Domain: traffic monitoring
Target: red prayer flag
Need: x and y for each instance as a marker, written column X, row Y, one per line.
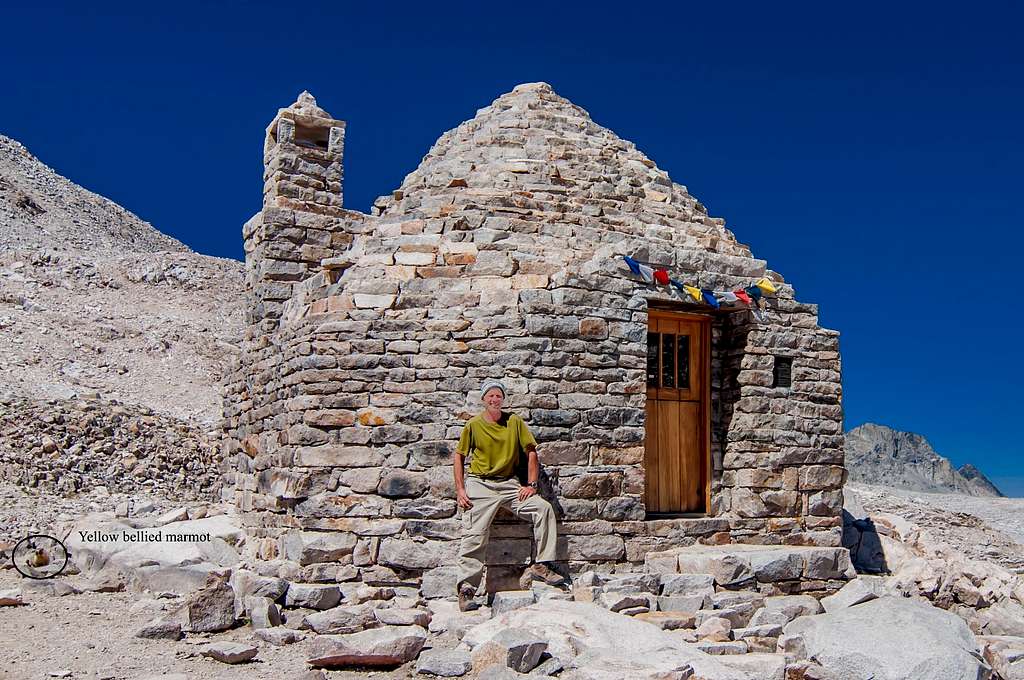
column 661, row 276
column 742, row 295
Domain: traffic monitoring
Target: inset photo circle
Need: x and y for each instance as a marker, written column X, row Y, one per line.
column 39, row 556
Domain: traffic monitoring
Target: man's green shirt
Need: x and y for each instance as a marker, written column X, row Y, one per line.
column 495, row 447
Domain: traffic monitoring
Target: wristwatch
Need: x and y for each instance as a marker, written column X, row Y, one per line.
column 532, row 484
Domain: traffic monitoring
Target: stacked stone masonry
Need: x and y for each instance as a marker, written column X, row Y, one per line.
column 501, row 256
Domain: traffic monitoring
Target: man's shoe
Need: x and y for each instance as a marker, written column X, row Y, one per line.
column 540, row 572
column 466, row 595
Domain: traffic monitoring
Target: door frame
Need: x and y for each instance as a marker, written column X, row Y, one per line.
column 704, row 426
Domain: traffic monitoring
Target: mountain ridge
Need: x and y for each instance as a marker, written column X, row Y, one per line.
column 96, row 302
column 878, row 454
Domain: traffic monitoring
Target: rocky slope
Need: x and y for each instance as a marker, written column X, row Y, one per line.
column 64, row 447
column 876, row 454
column 39, row 209
column 96, row 302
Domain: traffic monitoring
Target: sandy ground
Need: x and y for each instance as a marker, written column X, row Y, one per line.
column 91, row 635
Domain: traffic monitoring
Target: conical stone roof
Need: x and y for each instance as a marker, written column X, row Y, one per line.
column 534, row 155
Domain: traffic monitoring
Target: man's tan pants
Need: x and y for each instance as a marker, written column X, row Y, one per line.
column 487, row 496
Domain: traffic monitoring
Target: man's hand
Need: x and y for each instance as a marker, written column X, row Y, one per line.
column 462, row 499
column 525, row 492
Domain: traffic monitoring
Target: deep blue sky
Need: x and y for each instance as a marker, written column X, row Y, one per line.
column 871, row 152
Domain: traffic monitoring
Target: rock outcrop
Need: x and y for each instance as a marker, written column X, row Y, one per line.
column 889, row 638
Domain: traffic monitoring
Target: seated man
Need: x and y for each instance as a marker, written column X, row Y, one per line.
column 496, row 440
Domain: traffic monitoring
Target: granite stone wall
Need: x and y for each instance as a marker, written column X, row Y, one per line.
column 500, row 256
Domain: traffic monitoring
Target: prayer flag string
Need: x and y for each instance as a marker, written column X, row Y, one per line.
column 750, row 296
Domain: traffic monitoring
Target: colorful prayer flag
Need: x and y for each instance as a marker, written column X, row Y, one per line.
column 754, row 292
column 634, row 266
column 710, row 298
column 661, row 276
column 766, row 286
column 726, row 296
column 694, row 293
column 646, row 272
column 742, row 296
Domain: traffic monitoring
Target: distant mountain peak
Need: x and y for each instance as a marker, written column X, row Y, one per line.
column 977, row 478
column 877, row 454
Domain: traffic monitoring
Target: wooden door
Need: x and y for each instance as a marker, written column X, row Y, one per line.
column 676, row 442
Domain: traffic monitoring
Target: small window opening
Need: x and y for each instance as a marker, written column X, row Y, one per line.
column 312, row 137
column 782, row 374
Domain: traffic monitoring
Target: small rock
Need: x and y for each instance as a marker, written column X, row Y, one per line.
column 312, row 595
column 782, row 609
column 230, row 652
column 11, row 598
column 388, row 646
column 104, row 582
column 144, row 507
column 862, row 589
column 550, row 666
column 445, row 616
column 402, row 617
column 622, row 601
column 632, row 583
column 278, row 637
column 176, row 515
column 669, row 620
column 208, row 610
column 808, row 670
column 683, row 603
column 295, row 619
column 366, row 593
column 766, row 630
column 246, row 583
column 447, row 663
column 515, row 648
column 687, row 584
column 160, row 629
column 263, row 613
column 719, row 648
column 509, row 600
column 714, row 629
column 342, row 620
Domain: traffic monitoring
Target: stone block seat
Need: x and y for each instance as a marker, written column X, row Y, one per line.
column 769, row 569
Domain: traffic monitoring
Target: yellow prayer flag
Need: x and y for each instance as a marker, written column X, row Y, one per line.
column 766, row 286
column 694, row 293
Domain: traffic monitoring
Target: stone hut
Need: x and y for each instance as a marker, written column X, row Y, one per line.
column 662, row 422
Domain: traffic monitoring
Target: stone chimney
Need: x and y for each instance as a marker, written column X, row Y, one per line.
column 302, row 221
column 302, row 159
